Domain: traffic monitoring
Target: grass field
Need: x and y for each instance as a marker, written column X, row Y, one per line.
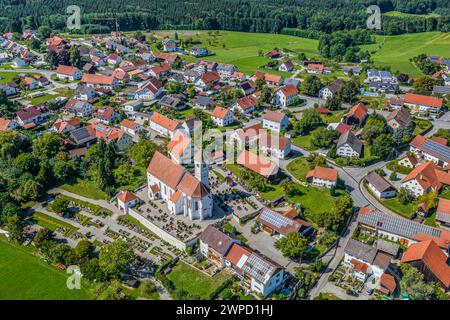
column 195, row 282
column 24, row 276
column 396, row 51
column 85, row 189
column 242, row 48
column 42, row 99
column 6, row 77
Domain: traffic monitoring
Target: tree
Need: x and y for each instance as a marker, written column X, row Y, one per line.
column 48, row 145
column 15, row 226
column 424, row 83
column 349, row 91
column 311, row 86
column 323, row 137
column 382, row 146
column 115, row 258
column 60, row 206
column 430, row 199
column 292, row 246
column 413, row 283
column 9, row 209
column 310, row 120
column 143, row 151
column 393, row 176
column 405, row 196
column 74, row 56
column 44, row 32
column 84, row 250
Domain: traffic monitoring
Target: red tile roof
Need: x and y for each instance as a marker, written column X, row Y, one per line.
column 360, row 266
column 126, row 196
column 358, row 111
column 164, row 121
column 387, row 281
column 323, row 173
column 236, row 252
column 129, row 124
column 192, row 187
column 419, row 99
column 289, row 91
column 4, row 123
column 247, row 102
column 210, row 77
column 165, row 170
column 97, row 79
column 178, row 144
column 220, row 112
column 68, row 70
column 427, row 175
column 273, row 141
column 274, row 116
column 315, row 67
column 443, row 206
column 432, row 256
column 258, row 164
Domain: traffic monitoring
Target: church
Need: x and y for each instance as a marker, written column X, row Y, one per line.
column 184, row 193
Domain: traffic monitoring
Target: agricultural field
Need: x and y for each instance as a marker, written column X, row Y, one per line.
column 36, row 279
column 395, row 51
column 242, row 48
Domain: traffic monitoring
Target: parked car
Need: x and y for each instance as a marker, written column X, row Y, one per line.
column 352, row 293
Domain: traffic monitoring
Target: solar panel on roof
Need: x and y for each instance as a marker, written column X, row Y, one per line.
column 436, row 148
column 274, row 218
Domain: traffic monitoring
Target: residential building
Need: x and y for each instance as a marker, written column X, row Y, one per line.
column 78, row 108
column 246, row 105
column 6, row 124
column 443, row 212
column 65, row 126
column 130, row 127
column 380, row 186
column 149, row 90
column 174, row 101
column 198, row 51
column 349, row 145
column 163, row 125
column 431, row 149
column 222, row 117
column 275, row 121
column 285, row 96
column 105, row 114
column 32, row 115
column 183, row 193
column 169, row 45
column 331, row 90
column 423, row 104
column 274, row 145
column 100, row 81
column 215, row 244
column 180, row 148
column 280, row 224
column 258, row 164
column 374, row 75
column 111, row 134
column 408, row 160
column 315, row 68
column 207, row 80
column 286, row 66
column 425, row 178
column 68, row 72
column 356, row 115
column 398, row 118
column 322, row 177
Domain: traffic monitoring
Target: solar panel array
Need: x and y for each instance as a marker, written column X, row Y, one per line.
column 433, row 147
column 258, row 268
column 80, row 134
column 399, row 226
column 274, row 218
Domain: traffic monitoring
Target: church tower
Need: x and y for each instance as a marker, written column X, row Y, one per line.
column 201, row 169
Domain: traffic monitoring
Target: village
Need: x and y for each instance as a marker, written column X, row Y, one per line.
column 309, row 179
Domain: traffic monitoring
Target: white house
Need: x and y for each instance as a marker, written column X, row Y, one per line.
column 85, row 93
column 169, row 45
column 322, row 177
column 349, row 145
column 330, row 90
column 163, row 125
column 215, row 244
column 181, row 148
column 285, row 96
column 149, row 90
column 425, row 178
column 68, row 72
column 246, row 105
column 126, row 200
column 222, row 117
column 79, row 108
column 286, row 66
column 100, row 81
column 274, row 145
column 130, row 127
column 380, row 186
column 275, row 121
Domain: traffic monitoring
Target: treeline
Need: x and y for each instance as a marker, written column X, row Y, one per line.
column 272, row 16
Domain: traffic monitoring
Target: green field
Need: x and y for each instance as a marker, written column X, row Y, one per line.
column 6, row 77
column 396, row 51
column 242, row 48
column 406, row 15
column 24, row 276
column 86, row 189
column 185, row 277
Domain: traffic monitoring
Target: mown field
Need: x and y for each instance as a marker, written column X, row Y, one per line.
column 395, row 51
column 242, row 48
column 24, row 276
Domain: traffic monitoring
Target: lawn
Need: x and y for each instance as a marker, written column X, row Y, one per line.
column 299, row 168
column 6, row 77
column 395, row 166
column 304, row 142
column 406, row 211
column 395, row 51
column 86, row 189
column 242, row 49
column 334, row 116
column 42, row 99
column 24, row 276
column 185, row 277
column 422, row 126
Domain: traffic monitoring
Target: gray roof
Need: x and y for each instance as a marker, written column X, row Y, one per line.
column 441, row 89
column 294, row 82
column 349, row 138
column 360, row 251
column 203, row 100
column 216, row 239
column 259, row 268
column 402, row 116
column 399, row 226
column 378, row 182
column 335, row 86
column 387, row 247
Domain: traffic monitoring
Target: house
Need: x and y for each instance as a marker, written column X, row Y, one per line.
column 365, row 260
column 169, row 45
column 275, row 121
column 113, row 59
column 258, row 273
column 18, row 63
column 381, row 87
column 425, row 178
column 408, row 160
column 356, row 115
column 374, row 75
column 443, row 90
column 100, row 81
column 149, row 90
column 85, row 93
column 215, row 244
column 274, row 145
column 427, row 257
column 443, row 212
column 431, row 149
column 331, row 90
column 198, row 51
column 68, row 72
column 173, row 101
column 388, row 284
column 88, row 68
column 6, row 124
column 280, row 224
column 398, row 118
column 180, row 148
column 274, row 54
column 203, row 102
column 339, row 127
column 78, row 108
column 160, row 71
column 286, row 66
column 258, row 164
column 131, row 107
column 167, row 58
column 246, row 105
column 163, row 125
column 110, row 134
column 285, row 96
column 247, row 87
column 183, row 193
column 10, row 88
column 130, row 127
column 225, row 70
column 272, row 79
column 246, row 136
column 82, row 137
column 222, row 117
column 105, row 114
column 64, row 126
column 349, row 145
column 315, row 68
column 30, row 83
column 126, row 200
column 399, row 229
column 207, row 80
column 32, row 115
column 354, row 70
column 380, row 186
column 423, row 104
column 322, row 177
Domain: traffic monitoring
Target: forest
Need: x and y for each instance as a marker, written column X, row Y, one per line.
column 307, row 18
